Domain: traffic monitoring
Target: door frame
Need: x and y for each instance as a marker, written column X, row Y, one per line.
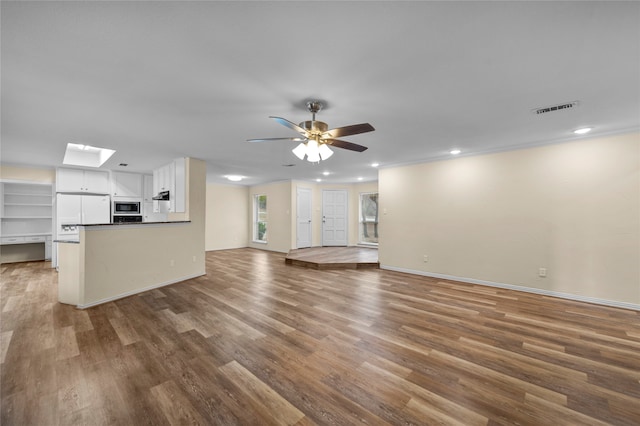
column 298, row 220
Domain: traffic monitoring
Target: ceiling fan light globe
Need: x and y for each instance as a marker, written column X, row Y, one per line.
column 324, row 151
column 300, row 151
column 313, row 153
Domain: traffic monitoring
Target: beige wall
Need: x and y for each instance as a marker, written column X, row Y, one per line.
column 573, row 208
column 32, row 174
column 279, row 216
column 228, row 210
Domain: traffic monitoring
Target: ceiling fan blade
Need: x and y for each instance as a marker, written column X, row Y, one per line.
column 344, row 144
column 277, row 139
column 290, row 125
column 354, row 129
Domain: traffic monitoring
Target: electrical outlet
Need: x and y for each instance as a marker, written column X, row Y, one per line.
column 194, row 259
column 425, row 259
column 172, row 262
column 542, row 272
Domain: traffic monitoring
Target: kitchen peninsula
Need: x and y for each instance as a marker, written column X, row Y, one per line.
column 111, row 261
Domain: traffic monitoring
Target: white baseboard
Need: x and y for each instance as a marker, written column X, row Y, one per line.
column 140, row 290
column 568, row 296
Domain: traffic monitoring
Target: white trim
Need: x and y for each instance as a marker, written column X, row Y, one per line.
column 368, row 245
column 140, row 290
column 361, row 222
column 256, row 216
column 568, row 296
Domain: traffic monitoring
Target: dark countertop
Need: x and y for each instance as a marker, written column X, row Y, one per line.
column 67, row 241
column 133, row 223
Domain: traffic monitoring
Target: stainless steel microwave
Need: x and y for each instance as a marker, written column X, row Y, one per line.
column 126, row 207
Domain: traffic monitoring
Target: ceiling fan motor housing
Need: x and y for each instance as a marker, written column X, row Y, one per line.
column 314, row 127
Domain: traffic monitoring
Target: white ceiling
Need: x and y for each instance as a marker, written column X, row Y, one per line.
column 159, row 80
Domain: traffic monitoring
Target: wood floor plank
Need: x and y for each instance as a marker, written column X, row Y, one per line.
column 281, row 411
column 66, row 343
column 125, row 332
column 5, row 341
column 257, row 341
column 437, row 405
column 12, row 303
column 175, row 404
column 218, row 397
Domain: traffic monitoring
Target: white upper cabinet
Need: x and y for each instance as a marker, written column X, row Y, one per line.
column 126, row 185
column 171, row 177
column 147, row 190
column 84, row 181
column 164, row 178
column 69, row 180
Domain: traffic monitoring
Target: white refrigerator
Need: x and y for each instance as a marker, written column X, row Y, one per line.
column 73, row 210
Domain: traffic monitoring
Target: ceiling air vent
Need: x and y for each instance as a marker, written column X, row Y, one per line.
column 553, row 108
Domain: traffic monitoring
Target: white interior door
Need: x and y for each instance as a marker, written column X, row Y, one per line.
column 334, row 218
column 303, row 229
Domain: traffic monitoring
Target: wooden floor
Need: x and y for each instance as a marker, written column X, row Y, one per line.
column 259, row 342
column 334, row 257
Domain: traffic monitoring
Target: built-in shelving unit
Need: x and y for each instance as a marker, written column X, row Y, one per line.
column 26, row 213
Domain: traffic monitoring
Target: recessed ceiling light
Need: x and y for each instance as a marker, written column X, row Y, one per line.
column 86, row 155
column 318, row 180
column 582, row 131
column 326, row 173
column 234, row 178
column 375, row 164
column 455, row 152
column 360, row 178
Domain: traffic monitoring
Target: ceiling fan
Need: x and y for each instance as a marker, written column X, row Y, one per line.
column 315, row 137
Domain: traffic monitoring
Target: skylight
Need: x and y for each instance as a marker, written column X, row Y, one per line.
column 86, row 155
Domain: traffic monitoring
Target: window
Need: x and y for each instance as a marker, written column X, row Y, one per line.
column 260, row 218
column 369, row 218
